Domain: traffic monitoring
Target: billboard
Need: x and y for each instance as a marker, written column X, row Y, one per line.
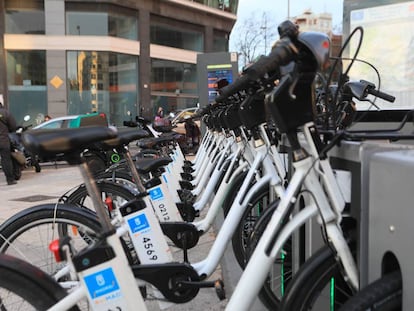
column 388, row 43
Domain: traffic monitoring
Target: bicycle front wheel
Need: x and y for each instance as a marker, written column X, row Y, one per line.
column 27, row 234
column 319, row 284
column 385, row 294
column 24, row 288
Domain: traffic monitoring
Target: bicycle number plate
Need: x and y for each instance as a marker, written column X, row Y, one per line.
column 104, row 291
column 147, row 237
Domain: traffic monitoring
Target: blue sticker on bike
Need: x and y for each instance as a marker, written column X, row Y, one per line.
column 138, row 223
column 101, row 283
column 156, row 194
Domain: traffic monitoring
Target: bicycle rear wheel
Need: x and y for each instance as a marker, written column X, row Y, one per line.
column 114, row 195
column 281, row 274
column 385, row 294
column 24, row 288
column 240, row 240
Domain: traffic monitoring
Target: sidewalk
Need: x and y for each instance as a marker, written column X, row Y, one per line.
column 53, row 181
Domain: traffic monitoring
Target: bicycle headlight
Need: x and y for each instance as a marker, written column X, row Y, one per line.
column 319, row 45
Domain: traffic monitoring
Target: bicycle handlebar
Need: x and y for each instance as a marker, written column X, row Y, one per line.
column 282, row 53
column 381, row 95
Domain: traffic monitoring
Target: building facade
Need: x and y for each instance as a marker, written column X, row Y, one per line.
column 122, row 58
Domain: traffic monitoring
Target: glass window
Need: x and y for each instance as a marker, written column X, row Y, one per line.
column 102, row 82
column 101, row 20
column 24, row 17
column 177, row 35
column 220, row 42
column 170, row 76
column 172, row 103
column 26, row 80
column 225, row 5
column 177, row 80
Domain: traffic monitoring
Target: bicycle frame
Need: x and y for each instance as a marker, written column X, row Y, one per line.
column 244, row 196
column 109, row 282
column 327, row 205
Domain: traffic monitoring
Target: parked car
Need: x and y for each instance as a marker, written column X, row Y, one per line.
column 179, row 118
column 71, row 121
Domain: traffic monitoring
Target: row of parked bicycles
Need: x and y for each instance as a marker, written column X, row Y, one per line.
column 263, row 162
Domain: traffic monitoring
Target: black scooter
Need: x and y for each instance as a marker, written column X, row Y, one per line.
column 16, row 146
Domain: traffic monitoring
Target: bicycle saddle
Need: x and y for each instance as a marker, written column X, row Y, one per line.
column 57, row 141
column 147, row 165
column 124, row 137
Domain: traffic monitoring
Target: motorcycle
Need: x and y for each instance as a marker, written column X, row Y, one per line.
column 21, row 158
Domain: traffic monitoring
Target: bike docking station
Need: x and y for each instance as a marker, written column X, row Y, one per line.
column 374, row 172
column 381, row 206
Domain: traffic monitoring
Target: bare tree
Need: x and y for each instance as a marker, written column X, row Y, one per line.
column 254, row 37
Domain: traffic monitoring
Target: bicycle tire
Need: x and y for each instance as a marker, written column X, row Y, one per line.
column 319, row 280
column 27, row 234
column 232, row 192
column 119, row 177
column 385, row 294
column 240, row 240
column 24, row 287
column 118, row 195
column 267, row 295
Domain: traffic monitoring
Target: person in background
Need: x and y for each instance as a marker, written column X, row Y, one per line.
column 7, row 125
column 47, row 118
column 159, row 117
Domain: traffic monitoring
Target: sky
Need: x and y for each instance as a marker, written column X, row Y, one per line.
column 278, row 9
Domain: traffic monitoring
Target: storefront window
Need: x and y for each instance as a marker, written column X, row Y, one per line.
column 170, row 76
column 102, row 82
column 25, row 17
column 101, row 20
column 171, row 103
column 177, row 35
column 174, row 83
column 26, row 80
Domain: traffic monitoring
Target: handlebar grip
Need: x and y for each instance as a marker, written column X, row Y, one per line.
column 241, row 83
column 282, row 53
column 382, row 95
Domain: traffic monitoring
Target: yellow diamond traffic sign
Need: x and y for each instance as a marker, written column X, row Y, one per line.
column 56, row 82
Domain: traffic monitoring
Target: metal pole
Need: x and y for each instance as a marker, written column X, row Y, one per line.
column 288, row 2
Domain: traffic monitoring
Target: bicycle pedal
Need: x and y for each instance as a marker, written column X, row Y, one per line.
column 219, row 287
